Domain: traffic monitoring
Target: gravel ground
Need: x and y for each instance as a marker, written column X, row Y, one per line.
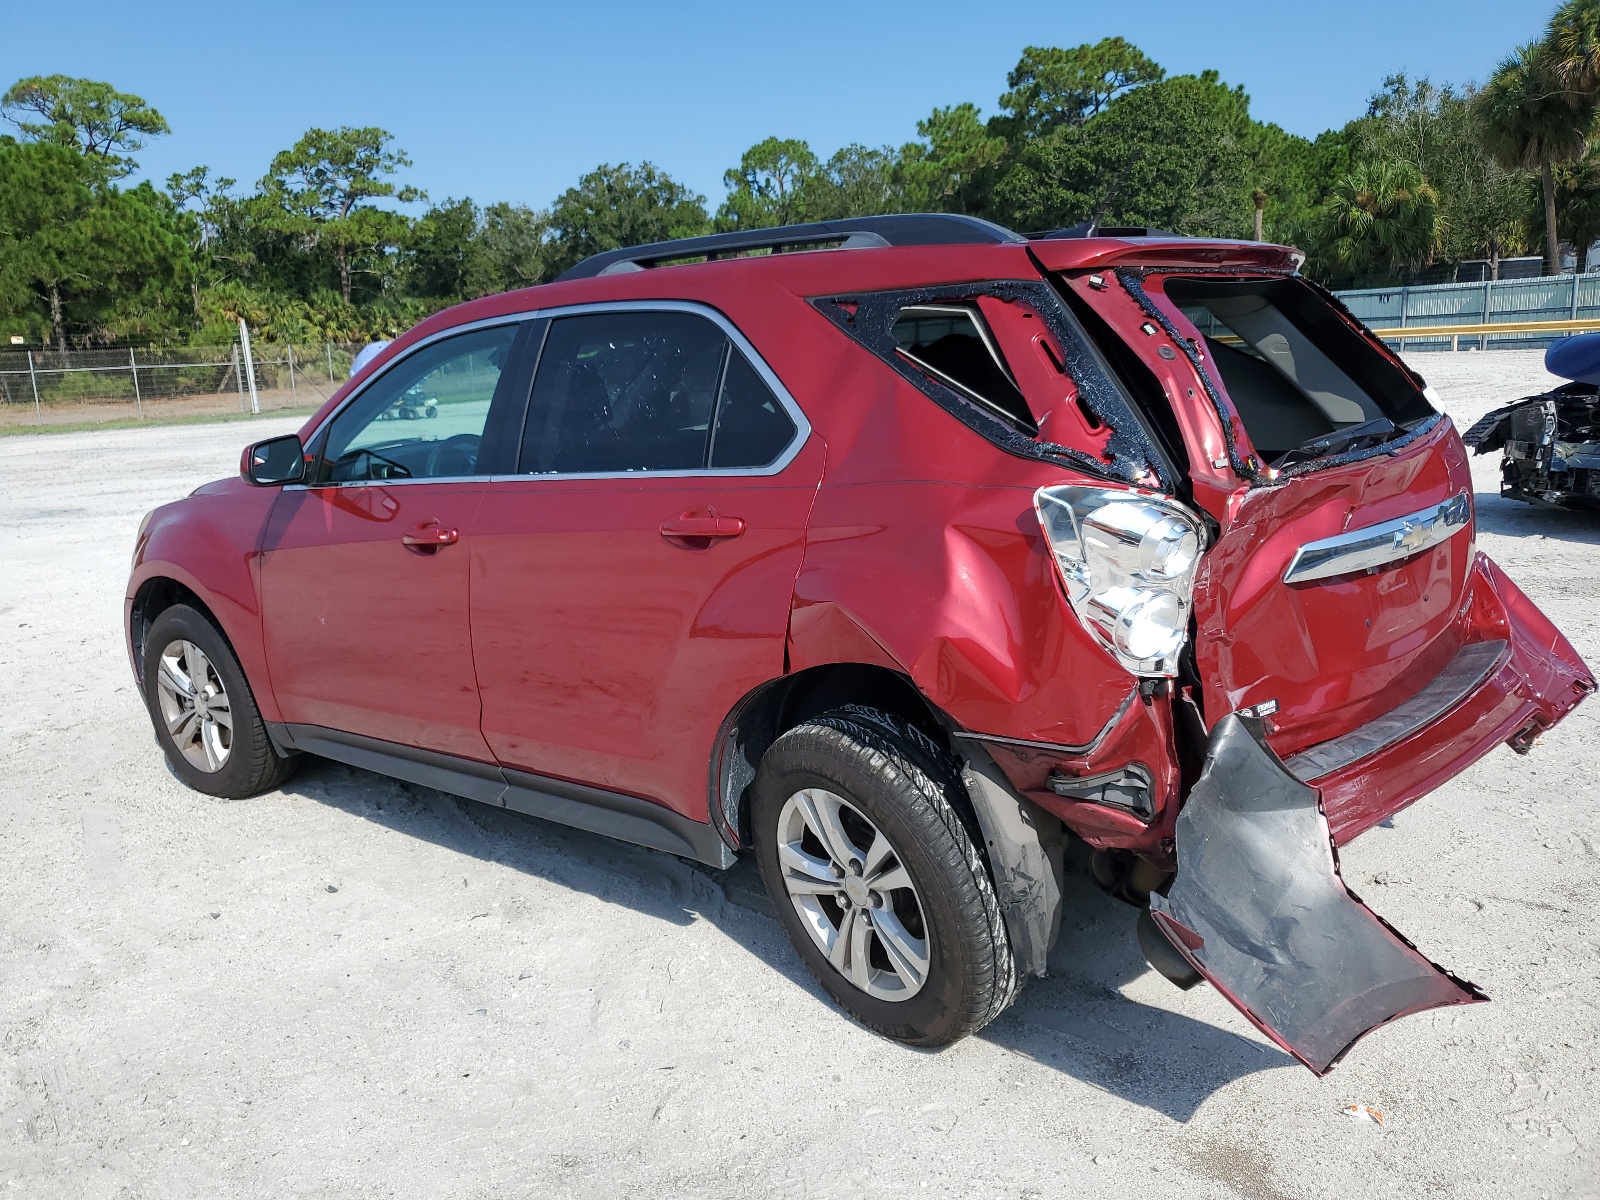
column 354, row 987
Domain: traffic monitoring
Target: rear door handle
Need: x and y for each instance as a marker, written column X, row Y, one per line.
column 709, row 526
column 430, row 537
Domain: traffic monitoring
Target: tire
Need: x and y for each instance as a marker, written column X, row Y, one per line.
column 878, row 775
column 181, row 646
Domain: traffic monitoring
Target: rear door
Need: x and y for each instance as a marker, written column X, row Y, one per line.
column 1344, row 450
column 634, row 581
column 364, row 571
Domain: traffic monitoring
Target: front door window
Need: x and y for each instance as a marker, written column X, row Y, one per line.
column 424, row 418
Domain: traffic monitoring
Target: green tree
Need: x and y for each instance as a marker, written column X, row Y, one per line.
column 445, row 259
column 78, row 254
column 319, row 191
column 107, row 125
column 1051, row 87
column 859, row 181
column 948, row 168
column 1291, row 178
column 1173, row 155
column 1574, row 42
column 774, row 184
column 1529, row 123
column 1578, row 203
column 514, row 240
column 1438, row 130
column 623, row 205
column 1381, row 217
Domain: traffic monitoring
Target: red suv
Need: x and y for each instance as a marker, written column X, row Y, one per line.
column 890, row 550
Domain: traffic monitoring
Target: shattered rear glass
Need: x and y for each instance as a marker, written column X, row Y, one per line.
column 1129, row 452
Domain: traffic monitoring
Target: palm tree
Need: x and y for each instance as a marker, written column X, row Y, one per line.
column 1382, row 217
column 1578, row 187
column 1574, row 41
column 1531, row 123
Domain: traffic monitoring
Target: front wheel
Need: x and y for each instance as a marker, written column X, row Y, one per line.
column 204, row 714
column 876, row 879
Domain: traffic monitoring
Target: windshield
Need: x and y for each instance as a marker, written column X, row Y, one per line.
column 1303, row 382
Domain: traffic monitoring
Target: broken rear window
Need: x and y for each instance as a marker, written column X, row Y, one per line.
column 1009, row 360
column 952, row 343
column 1304, row 383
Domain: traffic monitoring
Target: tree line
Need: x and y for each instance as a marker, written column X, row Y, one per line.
column 317, row 248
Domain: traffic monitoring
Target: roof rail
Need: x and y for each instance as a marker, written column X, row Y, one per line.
column 855, row 233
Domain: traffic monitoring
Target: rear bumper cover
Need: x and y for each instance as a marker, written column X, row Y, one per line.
column 1514, row 675
column 1258, row 908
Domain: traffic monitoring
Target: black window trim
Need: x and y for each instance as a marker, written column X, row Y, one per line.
column 524, row 390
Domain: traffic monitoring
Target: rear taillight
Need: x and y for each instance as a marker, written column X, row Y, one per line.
column 1128, row 560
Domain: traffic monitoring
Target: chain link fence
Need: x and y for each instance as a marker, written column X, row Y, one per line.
column 52, row 387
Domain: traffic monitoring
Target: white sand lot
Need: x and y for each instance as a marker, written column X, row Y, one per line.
column 355, row 987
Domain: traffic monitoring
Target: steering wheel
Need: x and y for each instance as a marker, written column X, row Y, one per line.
column 456, row 455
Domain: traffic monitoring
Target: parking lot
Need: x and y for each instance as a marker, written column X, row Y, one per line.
column 357, row 987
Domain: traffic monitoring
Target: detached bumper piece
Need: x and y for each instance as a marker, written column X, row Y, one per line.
column 1551, row 446
column 1258, row 908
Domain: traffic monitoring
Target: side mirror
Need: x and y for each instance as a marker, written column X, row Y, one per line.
column 275, row 461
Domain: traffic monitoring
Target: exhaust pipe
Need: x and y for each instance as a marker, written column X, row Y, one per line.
column 1161, row 954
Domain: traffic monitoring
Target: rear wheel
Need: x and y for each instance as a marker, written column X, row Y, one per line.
column 876, row 879
column 204, row 714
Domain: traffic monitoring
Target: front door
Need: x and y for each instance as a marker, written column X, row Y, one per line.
column 364, row 571
column 636, row 582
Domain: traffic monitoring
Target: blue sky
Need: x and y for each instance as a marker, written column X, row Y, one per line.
column 507, row 101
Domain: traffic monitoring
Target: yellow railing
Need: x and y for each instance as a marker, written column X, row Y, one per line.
column 1407, row 332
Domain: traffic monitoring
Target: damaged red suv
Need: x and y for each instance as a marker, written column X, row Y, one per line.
column 891, row 551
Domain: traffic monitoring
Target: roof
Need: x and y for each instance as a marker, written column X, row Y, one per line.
column 926, row 229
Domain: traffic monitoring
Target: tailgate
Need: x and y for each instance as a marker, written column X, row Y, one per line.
column 1333, row 597
column 1336, row 580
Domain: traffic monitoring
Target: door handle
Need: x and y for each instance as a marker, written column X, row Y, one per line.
column 702, row 527
column 429, row 537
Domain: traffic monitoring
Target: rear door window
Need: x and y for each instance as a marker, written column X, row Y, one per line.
column 619, row 392
column 752, row 428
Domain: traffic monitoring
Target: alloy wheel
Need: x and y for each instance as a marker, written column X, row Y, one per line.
column 194, row 705
column 854, row 896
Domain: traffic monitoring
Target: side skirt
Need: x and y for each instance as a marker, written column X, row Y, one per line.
column 613, row 814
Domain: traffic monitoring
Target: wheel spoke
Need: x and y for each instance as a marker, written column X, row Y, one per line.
column 194, row 665
column 821, row 813
column 208, row 733
column 174, row 678
column 797, row 861
column 218, row 711
column 856, row 866
column 894, row 877
column 861, row 952
column 839, row 952
column 802, row 885
column 877, row 854
column 179, row 727
column 907, row 954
